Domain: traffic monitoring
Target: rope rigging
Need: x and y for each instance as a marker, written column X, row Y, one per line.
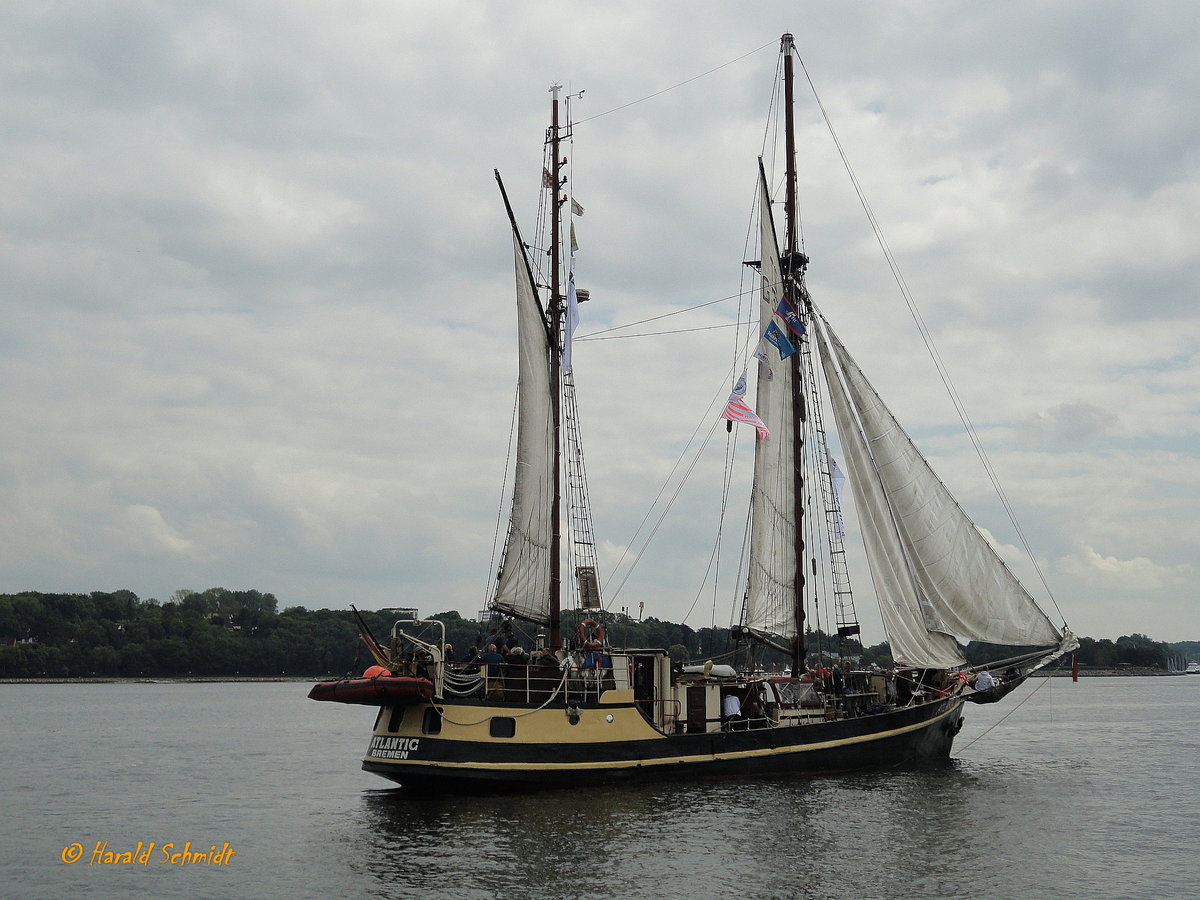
column 818, row 493
column 772, row 43
column 1026, row 698
column 927, row 338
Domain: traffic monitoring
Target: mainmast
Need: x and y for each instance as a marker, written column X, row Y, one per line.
column 554, row 312
column 793, row 270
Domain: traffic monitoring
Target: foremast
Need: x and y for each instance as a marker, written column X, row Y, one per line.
column 554, row 139
column 529, row 583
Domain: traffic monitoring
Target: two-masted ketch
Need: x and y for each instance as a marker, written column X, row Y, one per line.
column 587, row 711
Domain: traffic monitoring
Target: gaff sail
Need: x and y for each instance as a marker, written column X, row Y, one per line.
column 523, row 583
column 771, row 587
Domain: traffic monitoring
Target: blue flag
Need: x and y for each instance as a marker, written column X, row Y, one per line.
column 785, row 311
column 775, row 335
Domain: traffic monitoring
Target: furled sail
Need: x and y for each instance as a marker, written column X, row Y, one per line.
column 770, row 603
column 523, row 585
column 935, row 575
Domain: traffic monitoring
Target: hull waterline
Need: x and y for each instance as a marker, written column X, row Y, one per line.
column 914, row 734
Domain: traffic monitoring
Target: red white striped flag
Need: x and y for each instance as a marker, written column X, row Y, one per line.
column 737, row 411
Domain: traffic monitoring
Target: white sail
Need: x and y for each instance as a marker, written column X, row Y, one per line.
column 911, row 641
column 523, row 585
column 770, row 603
column 935, row 575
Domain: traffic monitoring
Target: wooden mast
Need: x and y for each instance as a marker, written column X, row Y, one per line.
column 554, row 312
column 793, row 269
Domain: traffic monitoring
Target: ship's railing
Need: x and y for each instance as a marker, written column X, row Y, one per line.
column 747, row 723
column 668, row 711
column 589, row 684
column 509, row 682
column 520, row 682
column 431, row 665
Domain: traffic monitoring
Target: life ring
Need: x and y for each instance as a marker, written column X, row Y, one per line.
column 591, row 634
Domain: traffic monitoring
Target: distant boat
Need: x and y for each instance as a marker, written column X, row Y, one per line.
column 587, row 711
column 1193, row 668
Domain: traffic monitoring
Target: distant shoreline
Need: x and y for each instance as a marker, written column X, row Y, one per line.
column 1131, row 672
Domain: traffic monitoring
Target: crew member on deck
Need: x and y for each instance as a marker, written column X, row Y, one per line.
column 984, row 681
column 731, row 708
column 495, row 666
column 836, row 680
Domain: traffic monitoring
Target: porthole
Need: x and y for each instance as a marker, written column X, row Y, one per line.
column 502, row 727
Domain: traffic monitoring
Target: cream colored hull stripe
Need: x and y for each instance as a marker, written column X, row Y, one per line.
column 667, row 761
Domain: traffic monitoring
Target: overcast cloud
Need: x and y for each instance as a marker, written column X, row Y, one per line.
column 256, row 281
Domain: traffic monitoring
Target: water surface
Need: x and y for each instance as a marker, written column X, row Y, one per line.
column 1087, row 790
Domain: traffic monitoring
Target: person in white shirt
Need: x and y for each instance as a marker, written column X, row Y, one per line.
column 731, row 706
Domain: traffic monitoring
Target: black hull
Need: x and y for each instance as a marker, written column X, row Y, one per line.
column 913, row 734
column 997, row 693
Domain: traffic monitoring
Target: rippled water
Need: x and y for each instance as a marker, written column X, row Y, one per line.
column 1083, row 790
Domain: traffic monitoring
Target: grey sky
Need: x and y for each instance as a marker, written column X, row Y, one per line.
column 256, row 288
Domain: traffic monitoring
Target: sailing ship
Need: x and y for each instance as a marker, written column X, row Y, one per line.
column 587, row 711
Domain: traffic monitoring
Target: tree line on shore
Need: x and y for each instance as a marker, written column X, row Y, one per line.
column 229, row 633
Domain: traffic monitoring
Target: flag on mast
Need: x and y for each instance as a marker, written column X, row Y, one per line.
column 760, row 353
column 787, row 312
column 737, row 411
column 572, row 322
column 774, row 334
column 739, row 386
column 838, row 480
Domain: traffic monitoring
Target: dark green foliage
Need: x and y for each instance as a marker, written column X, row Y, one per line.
column 225, row 633
column 217, row 632
column 1186, row 649
column 1135, row 650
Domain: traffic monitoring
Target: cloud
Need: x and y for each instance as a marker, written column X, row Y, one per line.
column 142, row 530
column 1138, row 574
column 1070, row 424
column 255, row 295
